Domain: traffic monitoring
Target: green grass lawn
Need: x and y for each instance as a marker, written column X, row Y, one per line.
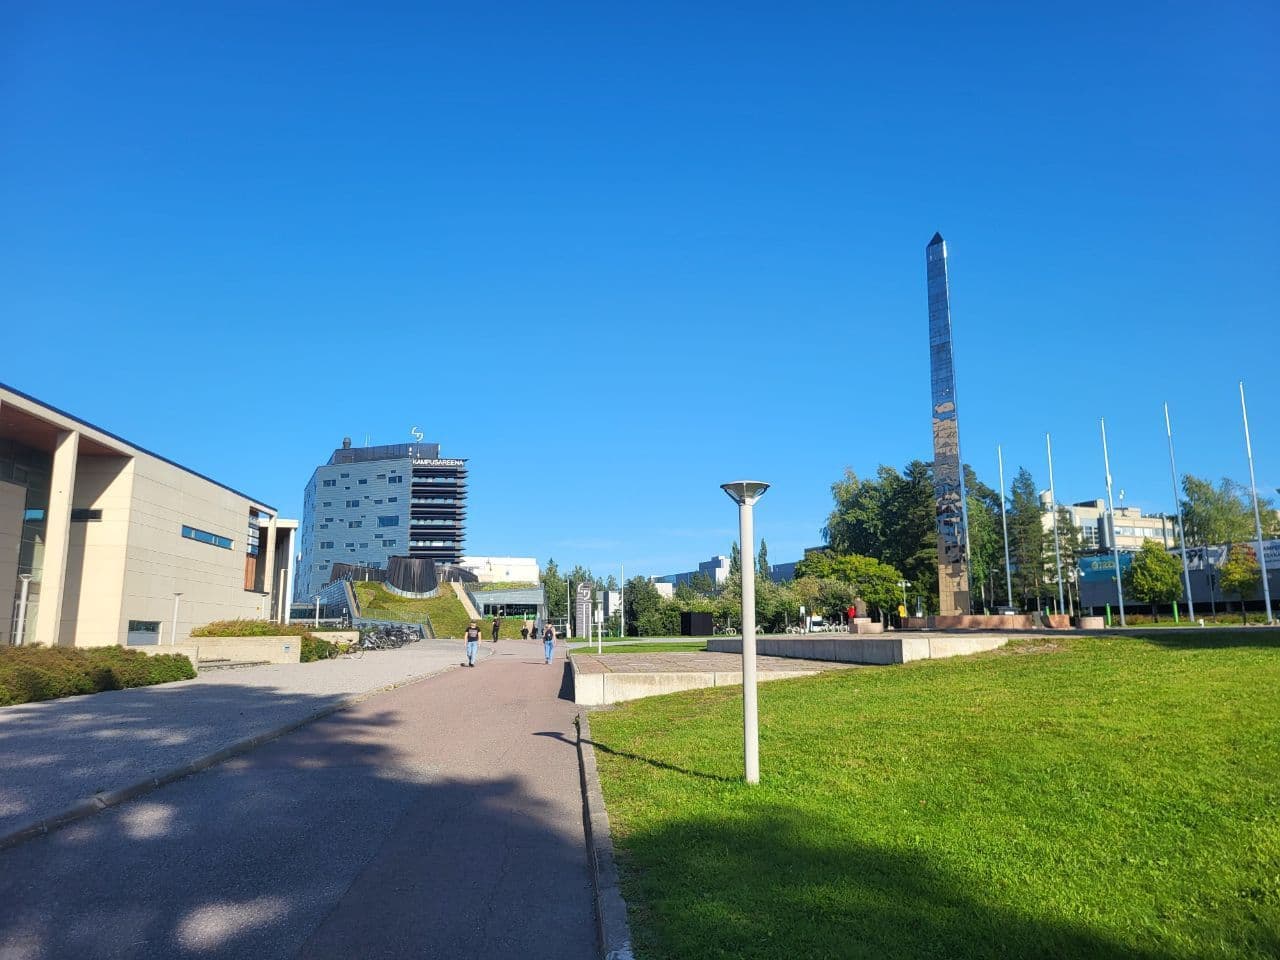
column 1105, row 797
column 695, row 646
column 448, row 616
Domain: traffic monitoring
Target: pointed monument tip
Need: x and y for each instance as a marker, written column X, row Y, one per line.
column 937, row 238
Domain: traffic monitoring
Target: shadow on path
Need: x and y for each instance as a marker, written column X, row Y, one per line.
column 339, row 840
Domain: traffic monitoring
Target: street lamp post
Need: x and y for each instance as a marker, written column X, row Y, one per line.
column 904, row 584
column 173, row 633
column 745, row 493
column 1004, row 525
column 317, row 618
column 22, row 609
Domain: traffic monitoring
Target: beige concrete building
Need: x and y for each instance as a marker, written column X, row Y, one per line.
column 106, row 535
column 1132, row 527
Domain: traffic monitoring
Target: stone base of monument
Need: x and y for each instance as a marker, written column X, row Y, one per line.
column 1005, row 621
column 1093, row 623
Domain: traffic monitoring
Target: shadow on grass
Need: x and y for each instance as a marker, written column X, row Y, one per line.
column 786, row 884
column 1208, row 638
column 658, row 764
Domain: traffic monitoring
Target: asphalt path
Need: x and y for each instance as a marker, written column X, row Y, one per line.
column 441, row 819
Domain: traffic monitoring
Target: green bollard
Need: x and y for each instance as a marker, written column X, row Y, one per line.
column 1108, row 614
column 1175, row 613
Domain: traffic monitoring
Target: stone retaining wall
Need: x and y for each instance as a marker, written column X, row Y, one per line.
column 235, row 649
column 885, row 649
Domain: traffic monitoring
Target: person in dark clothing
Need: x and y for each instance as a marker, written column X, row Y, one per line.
column 524, row 631
column 497, row 622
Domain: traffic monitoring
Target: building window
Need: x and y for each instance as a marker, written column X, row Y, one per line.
column 344, row 476
column 143, row 633
column 350, row 544
column 388, row 521
column 330, row 483
column 364, row 479
column 353, row 503
column 364, row 546
column 377, row 501
column 324, row 526
column 352, row 524
column 393, row 499
column 204, row 536
column 326, row 544
column 327, row 503
column 388, row 543
column 381, row 476
column 85, row 514
column 395, row 479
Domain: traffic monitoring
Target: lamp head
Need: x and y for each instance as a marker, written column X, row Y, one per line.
column 745, row 491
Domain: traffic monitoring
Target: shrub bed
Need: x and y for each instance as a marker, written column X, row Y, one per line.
column 35, row 673
column 252, row 628
column 314, row 648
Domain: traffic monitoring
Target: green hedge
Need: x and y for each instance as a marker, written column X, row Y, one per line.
column 40, row 673
column 314, row 648
column 252, row 628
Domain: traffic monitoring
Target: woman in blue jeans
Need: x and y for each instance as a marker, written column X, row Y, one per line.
column 473, row 640
column 548, row 641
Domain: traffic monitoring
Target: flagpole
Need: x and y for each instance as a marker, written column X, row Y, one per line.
column 1111, row 510
column 1053, row 503
column 1182, row 530
column 1004, row 524
column 1257, row 517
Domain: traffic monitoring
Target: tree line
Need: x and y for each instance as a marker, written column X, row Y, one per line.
column 881, row 534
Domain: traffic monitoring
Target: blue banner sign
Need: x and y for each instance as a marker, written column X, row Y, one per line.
column 1102, row 568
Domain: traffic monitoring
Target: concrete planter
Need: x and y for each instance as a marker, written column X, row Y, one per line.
column 234, row 649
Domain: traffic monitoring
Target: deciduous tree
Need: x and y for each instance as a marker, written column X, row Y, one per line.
column 1241, row 575
column 1154, row 577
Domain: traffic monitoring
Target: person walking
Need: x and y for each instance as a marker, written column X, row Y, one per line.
column 524, row 631
column 548, row 641
column 497, row 622
column 473, row 641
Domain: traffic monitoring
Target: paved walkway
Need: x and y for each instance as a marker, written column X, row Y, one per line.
column 56, row 753
column 442, row 819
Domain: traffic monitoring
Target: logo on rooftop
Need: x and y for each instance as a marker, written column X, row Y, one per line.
column 416, row 434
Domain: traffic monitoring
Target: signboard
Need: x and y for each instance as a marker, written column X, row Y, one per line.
column 582, row 609
column 1102, row 568
column 439, row 463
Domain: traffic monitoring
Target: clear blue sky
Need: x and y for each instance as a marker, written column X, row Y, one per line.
column 617, row 255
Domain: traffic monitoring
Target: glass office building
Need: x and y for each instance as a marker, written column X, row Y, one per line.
column 369, row 504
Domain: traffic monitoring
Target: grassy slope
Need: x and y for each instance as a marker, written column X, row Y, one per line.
column 448, row 615
column 1117, row 798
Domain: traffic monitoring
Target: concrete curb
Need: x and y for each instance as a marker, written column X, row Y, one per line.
column 111, row 798
column 612, row 926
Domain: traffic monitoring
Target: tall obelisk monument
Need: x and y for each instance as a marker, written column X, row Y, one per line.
column 948, row 474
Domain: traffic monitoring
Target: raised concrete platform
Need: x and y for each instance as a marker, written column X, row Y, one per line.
column 883, row 649
column 613, row 678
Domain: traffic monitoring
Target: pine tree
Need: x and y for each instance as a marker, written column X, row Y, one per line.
column 735, row 560
column 1026, row 540
column 762, row 561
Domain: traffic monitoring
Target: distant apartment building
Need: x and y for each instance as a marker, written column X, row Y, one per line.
column 1132, row 528
column 368, row 504
column 717, row 568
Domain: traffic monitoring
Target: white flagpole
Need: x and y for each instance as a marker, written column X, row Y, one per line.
column 1257, row 518
column 1004, row 524
column 1111, row 510
column 1182, row 530
column 1053, row 504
